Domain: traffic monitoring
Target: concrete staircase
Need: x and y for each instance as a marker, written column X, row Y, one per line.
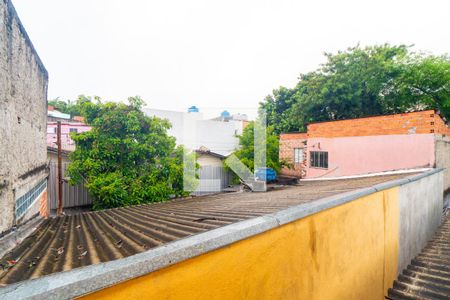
column 428, row 275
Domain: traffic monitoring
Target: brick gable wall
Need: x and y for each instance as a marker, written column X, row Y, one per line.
column 440, row 126
column 407, row 123
column 288, row 142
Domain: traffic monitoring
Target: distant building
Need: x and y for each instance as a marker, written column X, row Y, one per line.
column 293, row 150
column 66, row 128
column 190, row 129
column 212, row 174
column 68, row 125
column 23, row 122
column 213, row 140
column 369, row 145
column 55, row 115
column 225, row 116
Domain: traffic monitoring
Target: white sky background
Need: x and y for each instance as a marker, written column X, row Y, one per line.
column 213, row 54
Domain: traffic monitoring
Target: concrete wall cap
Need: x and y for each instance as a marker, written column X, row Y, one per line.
column 424, row 174
column 405, row 180
column 306, row 209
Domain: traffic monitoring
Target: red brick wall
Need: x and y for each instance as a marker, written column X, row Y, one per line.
column 407, row 123
column 440, row 126
column 43, row 205
column 289, row 141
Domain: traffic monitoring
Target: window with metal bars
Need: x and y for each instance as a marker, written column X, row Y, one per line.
column 318, row 159
column 298, row 155
column 24, row 202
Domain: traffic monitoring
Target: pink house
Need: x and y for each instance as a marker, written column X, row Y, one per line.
column 66, row 129
column 370, row 154
column 369, row 145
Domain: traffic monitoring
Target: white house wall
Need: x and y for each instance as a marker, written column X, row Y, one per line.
column 190, row 130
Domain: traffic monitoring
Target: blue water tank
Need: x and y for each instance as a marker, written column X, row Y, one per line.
column 225, row 114
column 266, row 174
column 193, row 109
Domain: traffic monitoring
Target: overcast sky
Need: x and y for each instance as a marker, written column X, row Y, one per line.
column 213, row 54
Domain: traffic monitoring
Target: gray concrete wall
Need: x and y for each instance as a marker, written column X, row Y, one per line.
column 443, row 158
column 23, row 111
column 420, row 206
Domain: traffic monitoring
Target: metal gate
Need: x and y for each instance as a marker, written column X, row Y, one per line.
column 73, row 196
column 212, row 180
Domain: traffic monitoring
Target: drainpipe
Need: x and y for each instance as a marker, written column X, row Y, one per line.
column 60, row 180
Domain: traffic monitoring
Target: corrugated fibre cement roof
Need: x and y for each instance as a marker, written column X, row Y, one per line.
column 68, row 242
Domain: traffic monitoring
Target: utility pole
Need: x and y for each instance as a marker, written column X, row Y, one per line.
column 60, row 179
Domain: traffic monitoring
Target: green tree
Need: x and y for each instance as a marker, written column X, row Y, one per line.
column 73, row 108
column 127, row 158
column 247, row 148
column 59, row 104
column 278, row 110
column 362, row 82
column 425, row 83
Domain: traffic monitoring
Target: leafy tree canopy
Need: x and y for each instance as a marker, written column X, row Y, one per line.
column 127, row 158
column 362, row 82
column 247, row 148
column 73, row 108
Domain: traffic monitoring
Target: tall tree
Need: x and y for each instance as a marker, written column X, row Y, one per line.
column 246, row 152
column 73, row 108
column 127, row 158
column 361, row 82
column 425, row 83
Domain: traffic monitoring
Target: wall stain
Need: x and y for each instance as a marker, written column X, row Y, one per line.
column 313, row 243
column 34, row 171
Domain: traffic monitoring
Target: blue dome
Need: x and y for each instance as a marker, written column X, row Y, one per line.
column 225, row 114
column 193, row 109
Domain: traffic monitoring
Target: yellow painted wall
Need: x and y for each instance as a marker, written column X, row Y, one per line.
column 347, row 252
